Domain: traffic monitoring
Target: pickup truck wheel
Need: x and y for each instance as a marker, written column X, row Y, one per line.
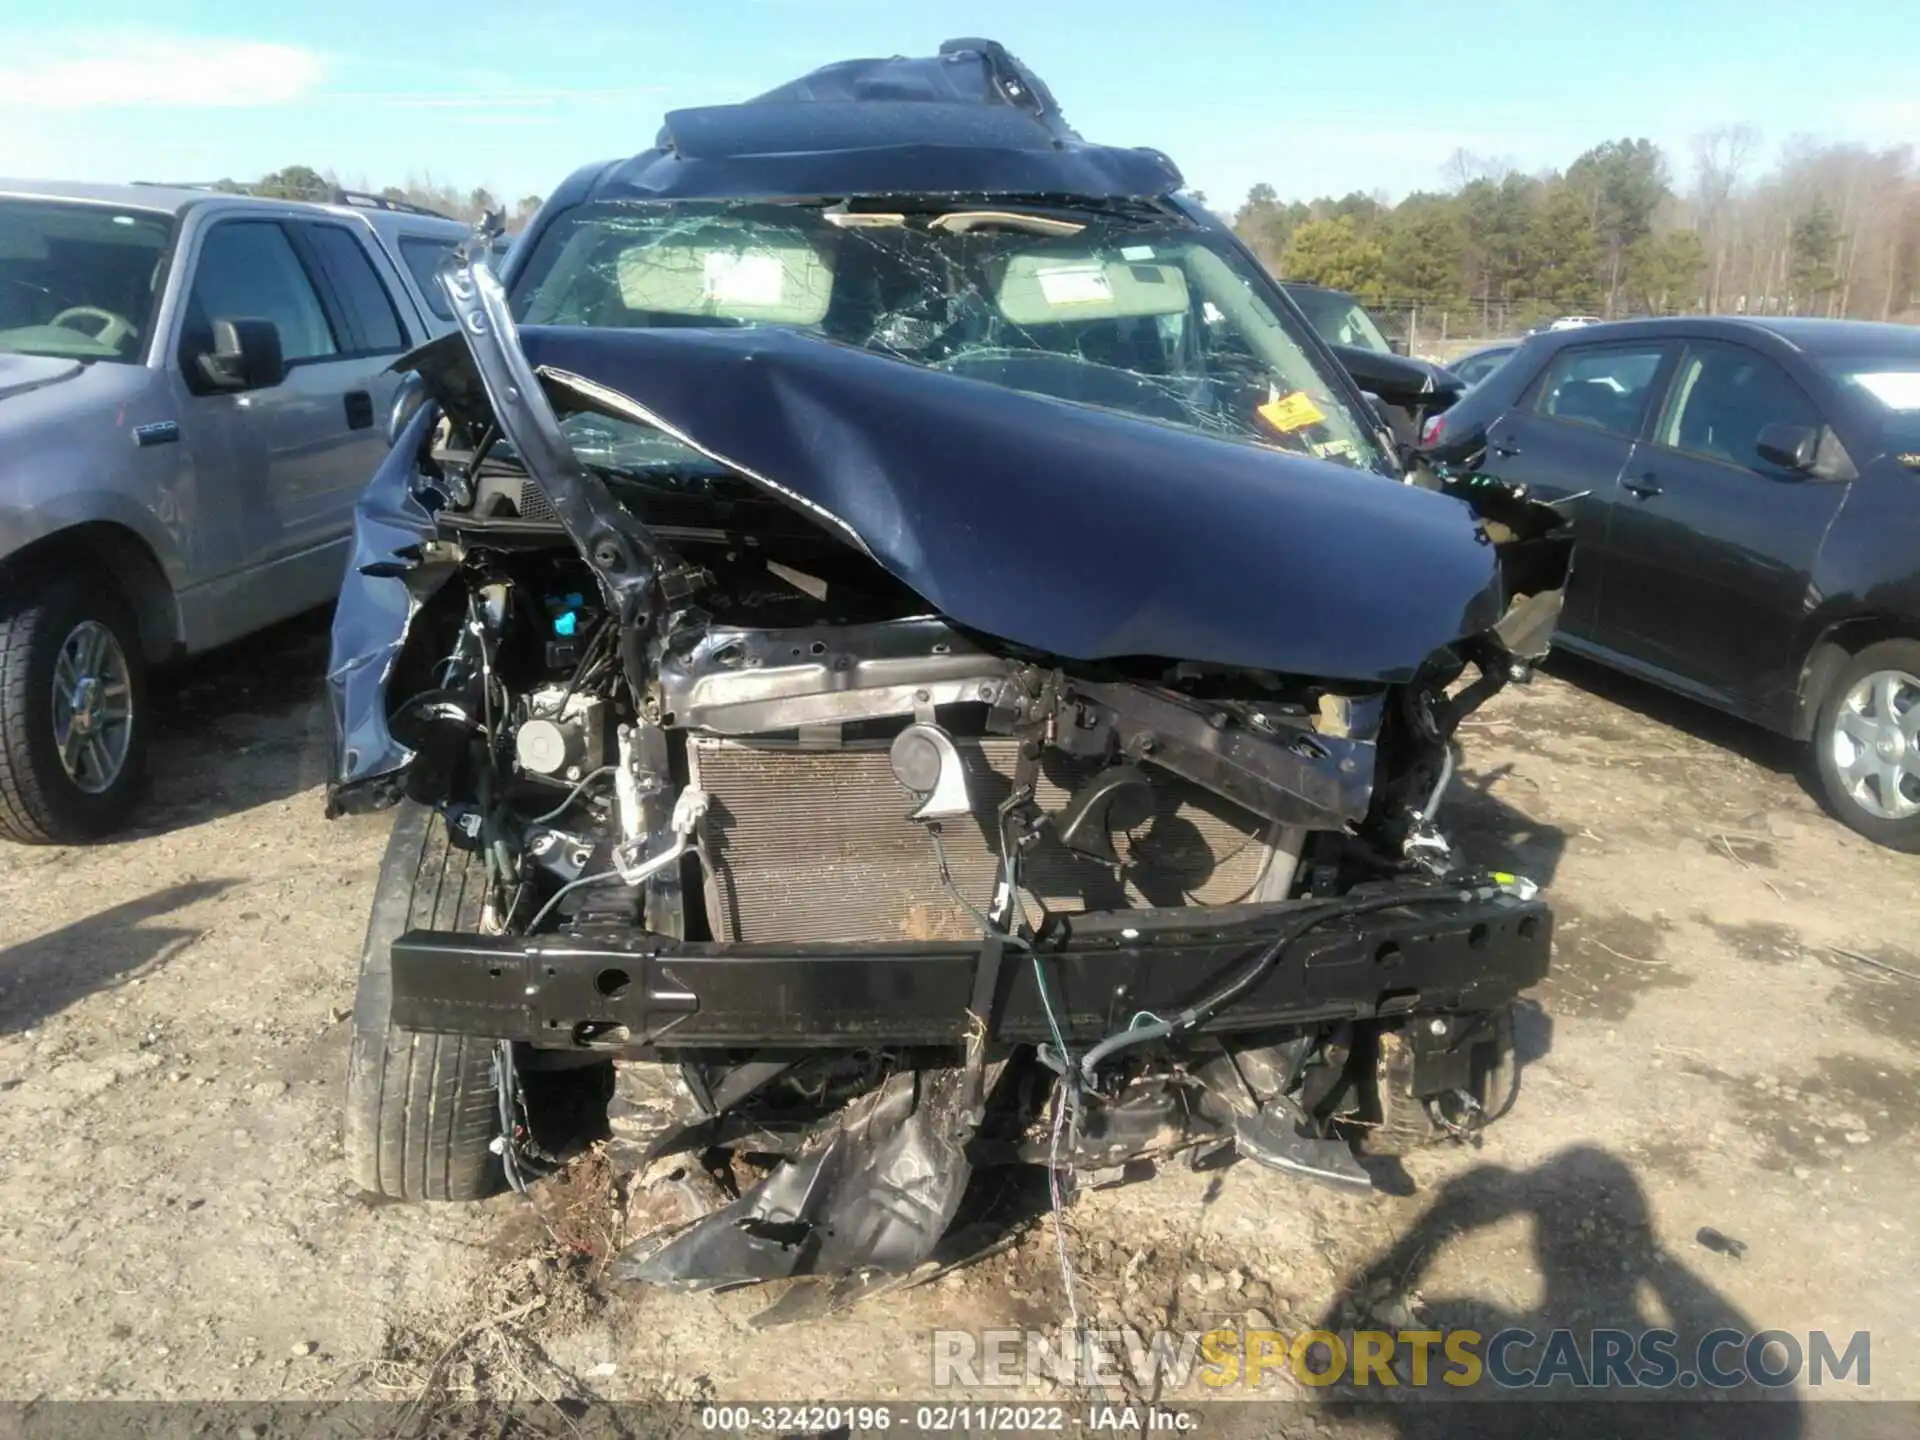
column 422, row 1111
column 73, row 711
column 1866, row 744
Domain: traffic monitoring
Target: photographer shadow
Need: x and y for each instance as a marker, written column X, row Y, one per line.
column 1598, row 1262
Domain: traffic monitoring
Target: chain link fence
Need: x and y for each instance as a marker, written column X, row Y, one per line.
column 1448, row 331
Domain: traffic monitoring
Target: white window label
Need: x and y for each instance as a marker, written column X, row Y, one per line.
column 735, row 279
column 1080, row 285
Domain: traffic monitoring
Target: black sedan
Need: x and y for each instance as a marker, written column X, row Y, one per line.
column 1746, row 499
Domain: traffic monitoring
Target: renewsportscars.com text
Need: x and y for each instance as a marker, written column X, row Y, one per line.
column 1511, row 1359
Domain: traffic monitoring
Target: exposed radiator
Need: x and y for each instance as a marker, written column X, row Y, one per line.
column 815, row 845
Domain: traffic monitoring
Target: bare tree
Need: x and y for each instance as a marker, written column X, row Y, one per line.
column 1720, row 160
column 1464, row 166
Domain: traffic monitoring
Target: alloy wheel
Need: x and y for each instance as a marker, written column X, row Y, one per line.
column 92, row 707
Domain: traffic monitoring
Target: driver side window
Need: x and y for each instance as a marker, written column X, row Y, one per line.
column 248, row 268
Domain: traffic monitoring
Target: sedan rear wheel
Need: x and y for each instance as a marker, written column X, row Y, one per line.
column 1867, row 744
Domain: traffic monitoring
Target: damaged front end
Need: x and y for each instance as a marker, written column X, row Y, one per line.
column 896, row 771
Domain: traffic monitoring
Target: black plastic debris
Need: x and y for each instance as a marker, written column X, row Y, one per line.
column 1721, row 1244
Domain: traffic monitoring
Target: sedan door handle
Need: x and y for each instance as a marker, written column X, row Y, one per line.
column 359, row 410
column 1506, row 449
column 1646, row 487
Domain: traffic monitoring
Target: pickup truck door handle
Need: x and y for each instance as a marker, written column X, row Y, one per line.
column 1646, row 487
column 359, row 410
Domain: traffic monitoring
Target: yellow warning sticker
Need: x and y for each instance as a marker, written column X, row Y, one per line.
column 1291, row 412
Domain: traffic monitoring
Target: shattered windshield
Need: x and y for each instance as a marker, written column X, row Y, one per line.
column 1157, row 320
column 77, row 281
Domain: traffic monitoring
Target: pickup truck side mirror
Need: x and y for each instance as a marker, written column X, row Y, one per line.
column 1791, row 447
column 246, row 355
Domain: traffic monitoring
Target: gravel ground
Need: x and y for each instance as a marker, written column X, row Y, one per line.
column 175, row 1220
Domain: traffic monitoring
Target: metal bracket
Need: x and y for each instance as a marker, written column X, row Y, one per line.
column 1020, row 819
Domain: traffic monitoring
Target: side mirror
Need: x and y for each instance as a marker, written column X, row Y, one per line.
column 1398, row 347
column 246, row 355
column 408, row 397
column 1410, row 384
column 1791, row 447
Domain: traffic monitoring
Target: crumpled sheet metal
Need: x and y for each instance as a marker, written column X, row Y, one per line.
column 1076, row 532
column 905, row 167
column 896, row 125
column 876, row 1194
column 384, row 586
column 1079, row 532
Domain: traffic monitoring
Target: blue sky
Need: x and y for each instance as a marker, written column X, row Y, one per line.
column 1330, row 97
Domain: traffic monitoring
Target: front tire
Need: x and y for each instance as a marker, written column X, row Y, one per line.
column 1866, row 744
column 73, row 711
column 422, row 1110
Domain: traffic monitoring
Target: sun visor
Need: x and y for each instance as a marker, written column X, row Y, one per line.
column 1052, row 289
column 728, row 274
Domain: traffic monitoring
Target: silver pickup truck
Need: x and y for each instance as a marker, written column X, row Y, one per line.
column 193, row 389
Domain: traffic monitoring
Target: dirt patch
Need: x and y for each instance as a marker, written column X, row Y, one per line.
column 1744, row 850
column 1826, row 1117
column 1669, row 1159
column 538, row 1286
column 1761, row 941
column 1885, row 1002
column 1603, row 964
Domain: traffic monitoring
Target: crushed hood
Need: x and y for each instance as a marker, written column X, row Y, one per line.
column 1078, row 532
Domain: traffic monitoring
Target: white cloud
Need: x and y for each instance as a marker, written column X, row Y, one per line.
column 175, row 73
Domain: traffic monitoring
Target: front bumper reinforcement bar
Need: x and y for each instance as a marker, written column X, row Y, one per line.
column 634, row 990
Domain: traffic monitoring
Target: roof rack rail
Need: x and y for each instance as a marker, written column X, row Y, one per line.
column 238, row 187
column 361, row 200
column 358, row 199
